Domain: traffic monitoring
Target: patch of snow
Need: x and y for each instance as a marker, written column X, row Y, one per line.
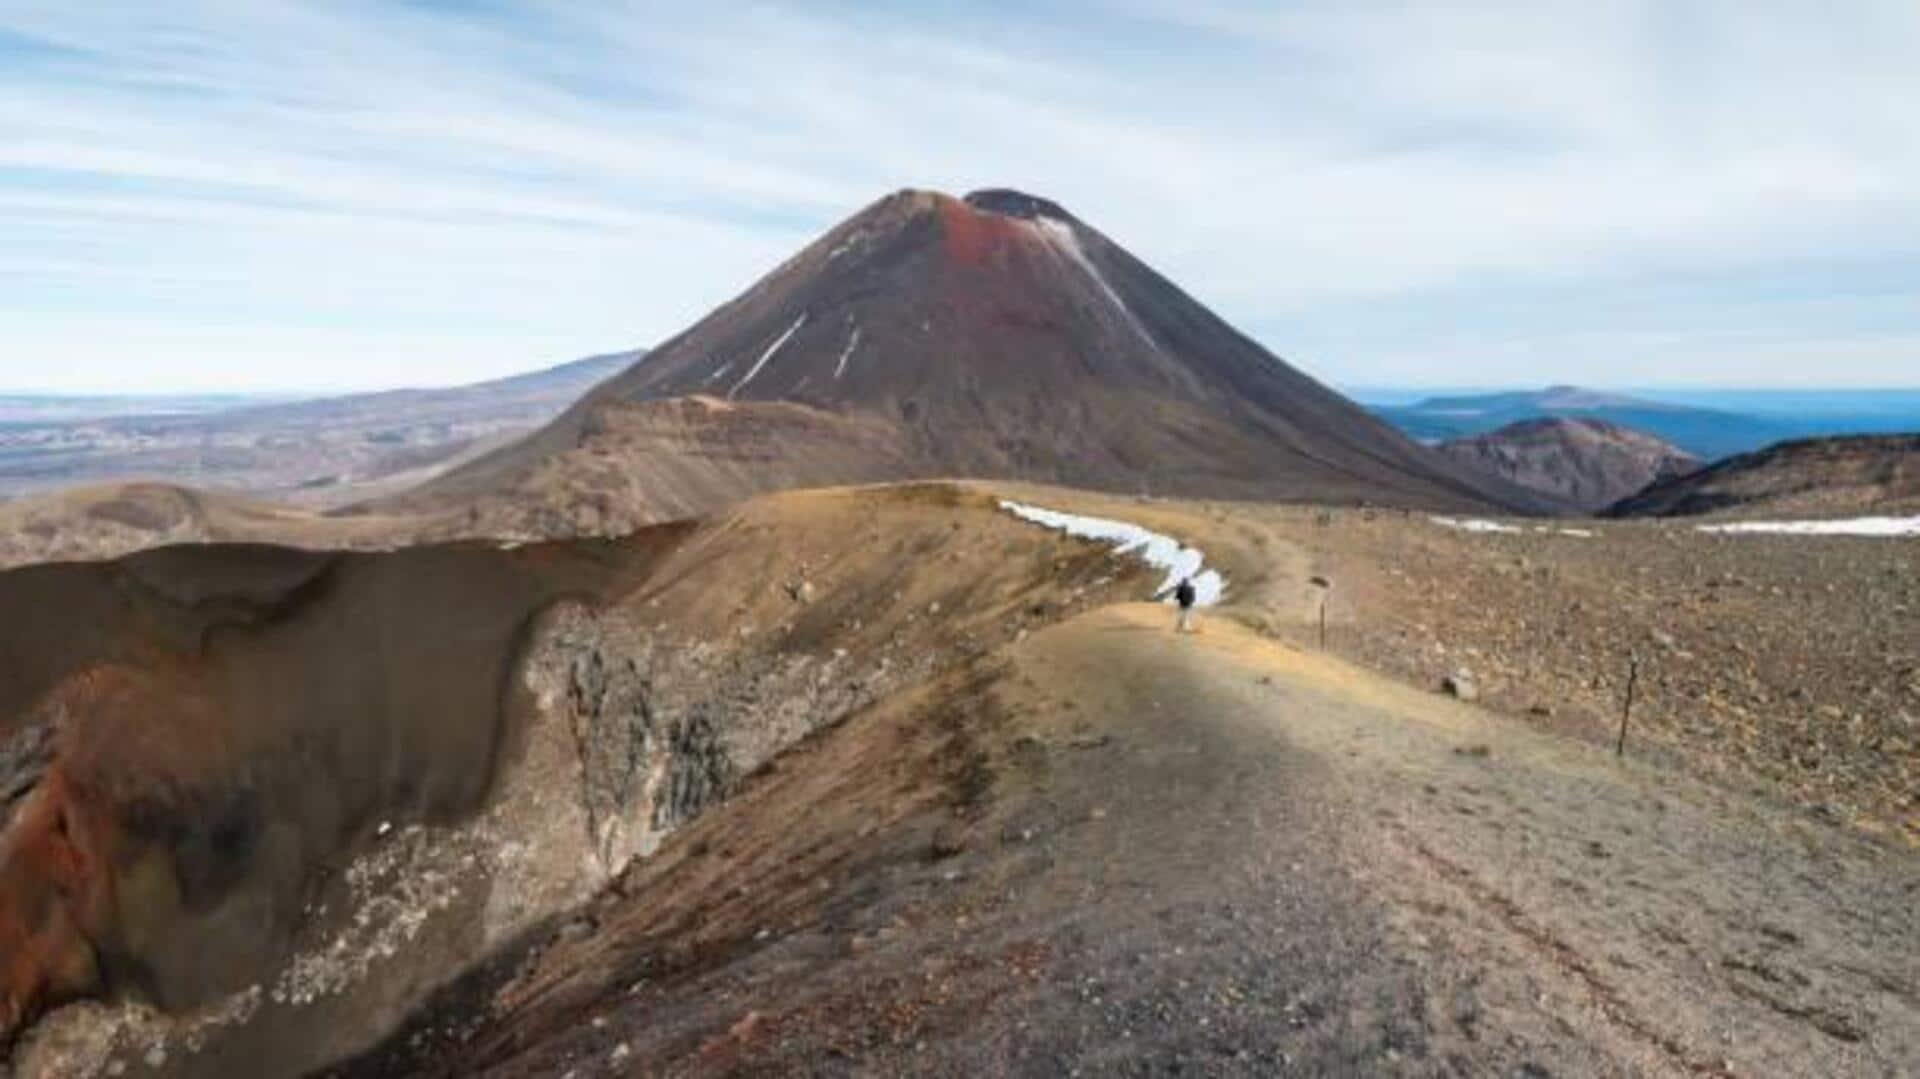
column 1583, row 533
column 1472, row 524
column 769, row 354
column 853, row 240
column 724, row 368
column 1063, row 239
column 852, row 343
column 1156, row 550
column 1850, row 526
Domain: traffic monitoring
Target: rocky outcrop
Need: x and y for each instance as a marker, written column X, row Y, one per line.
column 662, row 727
column 24, row 759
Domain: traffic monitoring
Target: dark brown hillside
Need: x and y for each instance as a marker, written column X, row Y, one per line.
column 1864, row 474
column 216, row 760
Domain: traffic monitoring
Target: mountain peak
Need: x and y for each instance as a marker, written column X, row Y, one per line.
column 994, row 335
column 1010, row 203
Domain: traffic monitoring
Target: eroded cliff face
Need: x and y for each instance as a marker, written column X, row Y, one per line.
column 262, row 816
column 662, row 727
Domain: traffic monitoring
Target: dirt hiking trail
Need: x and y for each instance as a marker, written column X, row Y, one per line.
column 1110, row 850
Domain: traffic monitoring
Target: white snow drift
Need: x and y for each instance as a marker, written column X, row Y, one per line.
column 852, row 343
column 1475, row 524
column 1156, row 550
column 1472, row 524
column 1064, row 241
column 1850, row 526
column 769, row 354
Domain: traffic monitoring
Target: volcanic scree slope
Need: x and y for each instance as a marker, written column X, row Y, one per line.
column 992, row 336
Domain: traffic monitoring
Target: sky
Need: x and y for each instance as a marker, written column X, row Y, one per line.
column 302, row 195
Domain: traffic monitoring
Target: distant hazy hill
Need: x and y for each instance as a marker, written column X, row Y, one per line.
column 320, row 451
column 21, row 409
column 1588, row 464
column 1703, row 432
column 496, row 400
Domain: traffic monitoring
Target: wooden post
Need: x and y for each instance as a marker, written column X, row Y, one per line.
column 1325, row 586
column 1626, row 709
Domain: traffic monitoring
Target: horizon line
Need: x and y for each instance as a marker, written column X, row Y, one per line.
column 1347, row 388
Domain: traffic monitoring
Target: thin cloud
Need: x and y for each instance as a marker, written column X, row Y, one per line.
column 479, row 191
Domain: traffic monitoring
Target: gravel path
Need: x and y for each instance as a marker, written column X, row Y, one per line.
column 1117, row 851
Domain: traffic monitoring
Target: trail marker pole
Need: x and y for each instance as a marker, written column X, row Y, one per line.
column 1326, row 589
column 1626, row 709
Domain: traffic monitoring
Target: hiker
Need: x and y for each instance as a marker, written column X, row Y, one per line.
column 1184, row 596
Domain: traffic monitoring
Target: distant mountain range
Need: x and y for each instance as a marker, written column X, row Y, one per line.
column 1707, row 425
column 322, row 451
column 1703, row 432
column 24, row 409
